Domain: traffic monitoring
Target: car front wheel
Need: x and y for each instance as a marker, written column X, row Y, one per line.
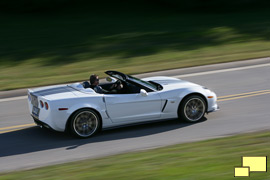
column 192, row 109
column 85, row 123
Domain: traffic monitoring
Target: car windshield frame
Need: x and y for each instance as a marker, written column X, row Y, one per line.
column 142, row 82
column 134, row 80
column 117, row 75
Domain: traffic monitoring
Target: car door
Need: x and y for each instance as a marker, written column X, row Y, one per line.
column 133, row 107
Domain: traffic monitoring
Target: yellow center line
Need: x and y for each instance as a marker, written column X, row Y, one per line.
column 18, row 126
column 239, row 97
column 2, row 132
column 233, row 95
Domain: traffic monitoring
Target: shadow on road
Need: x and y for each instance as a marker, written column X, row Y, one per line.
column 35, row 139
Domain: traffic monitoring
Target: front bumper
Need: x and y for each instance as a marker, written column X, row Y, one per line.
column 213, row 109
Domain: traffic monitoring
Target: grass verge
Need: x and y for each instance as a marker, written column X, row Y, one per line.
column 211, row 159
column 44, row 49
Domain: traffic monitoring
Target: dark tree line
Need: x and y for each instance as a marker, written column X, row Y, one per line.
column 31, row 6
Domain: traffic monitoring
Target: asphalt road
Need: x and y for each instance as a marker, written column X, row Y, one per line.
column 247, row 110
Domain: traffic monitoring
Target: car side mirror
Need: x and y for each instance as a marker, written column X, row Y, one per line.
column 110, row 79
column 143, row 93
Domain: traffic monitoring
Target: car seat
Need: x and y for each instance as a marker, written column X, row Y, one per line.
column 86, row 84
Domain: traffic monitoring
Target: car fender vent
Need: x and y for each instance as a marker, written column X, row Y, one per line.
column 164, row 105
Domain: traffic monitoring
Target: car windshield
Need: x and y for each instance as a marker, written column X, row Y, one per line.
column 145, row 83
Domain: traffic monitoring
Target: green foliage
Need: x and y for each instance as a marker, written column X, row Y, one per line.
column 49, row 48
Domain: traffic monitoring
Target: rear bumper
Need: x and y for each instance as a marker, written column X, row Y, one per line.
column 40, row 123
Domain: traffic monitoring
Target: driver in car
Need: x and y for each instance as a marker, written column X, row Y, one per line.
column 94, row 81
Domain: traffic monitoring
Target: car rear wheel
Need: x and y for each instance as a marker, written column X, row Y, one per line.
column 85, row 123
column 192, row 109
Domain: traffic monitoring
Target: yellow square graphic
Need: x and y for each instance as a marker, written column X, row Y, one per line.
column 241, row 172
column 256, row 164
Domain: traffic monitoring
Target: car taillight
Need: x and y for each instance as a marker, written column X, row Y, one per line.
column 46, row 106
column 41, row 104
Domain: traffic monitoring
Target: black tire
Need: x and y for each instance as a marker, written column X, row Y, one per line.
column 85, row 123
column 192, row 109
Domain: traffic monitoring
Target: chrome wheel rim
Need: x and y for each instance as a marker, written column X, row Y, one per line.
column 194, row 109
column 85, row 123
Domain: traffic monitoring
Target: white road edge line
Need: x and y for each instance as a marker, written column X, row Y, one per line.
column 13, row 99
column 179, row 76
column 222, row 70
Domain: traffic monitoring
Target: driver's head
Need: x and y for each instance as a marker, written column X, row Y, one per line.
column 94, row 80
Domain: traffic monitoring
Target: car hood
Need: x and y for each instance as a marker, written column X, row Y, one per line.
column 170, row 81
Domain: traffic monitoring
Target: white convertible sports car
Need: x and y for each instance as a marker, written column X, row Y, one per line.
column 84, row 112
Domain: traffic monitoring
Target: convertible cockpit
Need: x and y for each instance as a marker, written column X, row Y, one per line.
column 119, row 83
